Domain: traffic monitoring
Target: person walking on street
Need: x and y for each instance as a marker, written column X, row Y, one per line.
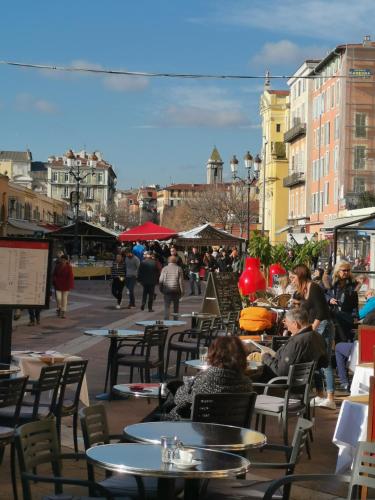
column 118, row 279
column 131, row 269
column 63, row 281
column 148, row 276
column 195, row 263
column 34, row 317
column 171, row 285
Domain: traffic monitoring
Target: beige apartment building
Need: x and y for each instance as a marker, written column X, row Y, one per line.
column 299, row 140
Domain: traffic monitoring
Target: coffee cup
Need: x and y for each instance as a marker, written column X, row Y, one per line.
column 186, row 456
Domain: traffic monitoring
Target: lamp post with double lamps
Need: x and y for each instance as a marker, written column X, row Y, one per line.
column 252, row 168
column 78, row 175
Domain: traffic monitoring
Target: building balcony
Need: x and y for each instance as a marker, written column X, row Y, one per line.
column 294, row 179
column 296, row 131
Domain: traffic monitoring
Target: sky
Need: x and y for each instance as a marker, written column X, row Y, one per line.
column 157, row 130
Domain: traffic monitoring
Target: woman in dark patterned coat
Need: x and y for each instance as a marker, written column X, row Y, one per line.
column 226, row 373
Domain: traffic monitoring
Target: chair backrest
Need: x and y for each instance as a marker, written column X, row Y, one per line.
column 94, row 425
column 363, row 474
column 73, row 374
column 216, row 326
column 366, row 343
column 49, row 381
column 155, row 337
column 225, row 408
column 37, row 444
column 12, row 391
column 300, row 379
column 278, row 341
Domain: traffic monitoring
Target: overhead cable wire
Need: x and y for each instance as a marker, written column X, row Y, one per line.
column 74, row 69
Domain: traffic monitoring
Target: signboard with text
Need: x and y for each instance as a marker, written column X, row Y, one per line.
column 360, row 72
column 25, row 266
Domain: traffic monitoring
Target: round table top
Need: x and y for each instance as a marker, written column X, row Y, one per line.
column 138, row 390
column 201, row 365
column 165, row 322
column 121, row 333
column 197, row 434
column 145, row 460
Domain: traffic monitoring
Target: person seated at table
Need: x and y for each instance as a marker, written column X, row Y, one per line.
column 343, row 350
column 303, row 346
column 226, row 373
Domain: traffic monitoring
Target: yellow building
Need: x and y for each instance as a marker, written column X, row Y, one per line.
column 273, row 201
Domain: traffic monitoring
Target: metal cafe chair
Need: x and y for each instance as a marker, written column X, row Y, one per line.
column 293, row 398
column 37, row 444
column 11, row 395
column 147, row 354
column 362, row 476
column 255, row 487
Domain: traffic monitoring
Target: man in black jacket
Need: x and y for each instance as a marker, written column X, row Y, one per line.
column 304, row 346
column 148, row 276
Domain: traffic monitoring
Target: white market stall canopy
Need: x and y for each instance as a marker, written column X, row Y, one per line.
column 207, row 235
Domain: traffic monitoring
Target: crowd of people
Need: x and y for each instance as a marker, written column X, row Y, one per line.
column 153, row 264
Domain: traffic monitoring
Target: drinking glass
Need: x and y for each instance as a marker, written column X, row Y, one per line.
column 168, row 445
column 203, row 352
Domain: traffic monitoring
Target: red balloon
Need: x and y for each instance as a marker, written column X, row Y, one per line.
column 252, row 279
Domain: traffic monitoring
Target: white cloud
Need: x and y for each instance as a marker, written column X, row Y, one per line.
column 26, row 102
column 285, row 52
column 118, row 83
column 339, row 20
column 203, row 107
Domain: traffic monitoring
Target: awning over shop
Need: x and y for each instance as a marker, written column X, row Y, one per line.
column 147, row 232
column 283, row 229
column 207, row 235
column 358, row 221
column 17, row 227
column 85, row 229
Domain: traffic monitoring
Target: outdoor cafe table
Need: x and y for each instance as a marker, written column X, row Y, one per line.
column 145, row 460
column 114, row 338
column 30, row 364
column 197, row 434
column 138, row 390
column 196, row 316
column 165, row 322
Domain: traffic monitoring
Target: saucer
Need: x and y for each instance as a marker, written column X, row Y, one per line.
column 186, row 465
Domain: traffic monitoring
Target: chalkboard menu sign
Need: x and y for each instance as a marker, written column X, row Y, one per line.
column 222, row 295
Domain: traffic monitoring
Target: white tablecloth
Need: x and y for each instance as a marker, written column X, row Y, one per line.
column 30, row 364
column 361, row 379
column 351, row 428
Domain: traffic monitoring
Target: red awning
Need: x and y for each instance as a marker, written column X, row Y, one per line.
column 147, row 231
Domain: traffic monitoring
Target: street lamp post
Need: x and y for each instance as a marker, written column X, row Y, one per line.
column 78, row 175
column 251, row 166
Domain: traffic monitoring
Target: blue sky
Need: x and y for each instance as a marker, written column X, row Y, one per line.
column 156, row 130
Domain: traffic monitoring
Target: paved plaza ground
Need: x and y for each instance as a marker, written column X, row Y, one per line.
column 92, row 306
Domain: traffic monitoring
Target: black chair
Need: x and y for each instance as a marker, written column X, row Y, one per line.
column 95, row 431
column 38, row 445
column 217, row 328
column 225, row 408
column 362, row 476
column 11, row 395
column 231, row 322
column 36, row 409
column 147, row 354
column 293, row 396
column 188, row 343
column 278, row 341
column 255, row 487
column 74, row 373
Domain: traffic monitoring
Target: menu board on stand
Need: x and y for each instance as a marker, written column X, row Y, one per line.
column 222, row 295
column 25, row 265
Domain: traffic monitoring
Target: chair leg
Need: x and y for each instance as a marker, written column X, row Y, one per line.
column 263, row 424
column 167, row 361
column 13, row 469
column 285, row 431
column 178, row 363
column 141, row 375
column 75, row 427
column 147, row 375
column 131, row 375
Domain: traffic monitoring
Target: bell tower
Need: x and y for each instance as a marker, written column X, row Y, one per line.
column 215, row 168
